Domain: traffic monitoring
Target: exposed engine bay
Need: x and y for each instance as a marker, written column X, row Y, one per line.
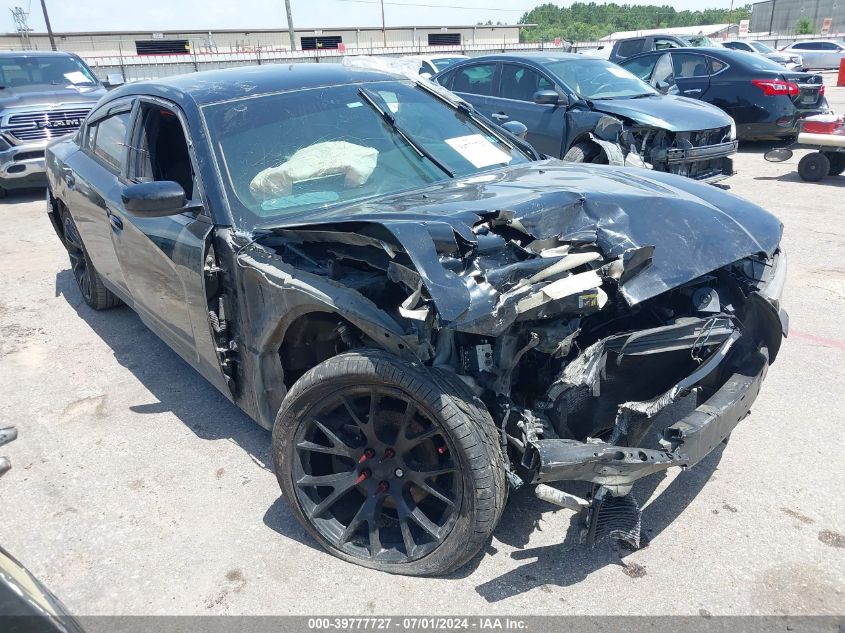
column 571, row 326
column 703, row 155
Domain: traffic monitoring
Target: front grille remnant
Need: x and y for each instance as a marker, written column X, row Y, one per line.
column 614, row 517
column 39, row 126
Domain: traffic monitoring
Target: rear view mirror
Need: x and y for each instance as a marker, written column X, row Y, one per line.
column 778, row 155
column 516, row 128
column 154, row 199
column 549, row 97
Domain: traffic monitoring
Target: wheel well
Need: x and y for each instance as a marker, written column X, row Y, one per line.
column 58, row 207
column 313, row 338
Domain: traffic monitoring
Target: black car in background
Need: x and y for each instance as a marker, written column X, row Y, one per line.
column 589, row 110
column 623, row 49
column 766, row 100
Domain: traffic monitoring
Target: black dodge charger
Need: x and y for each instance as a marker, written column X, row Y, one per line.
column 424, row 313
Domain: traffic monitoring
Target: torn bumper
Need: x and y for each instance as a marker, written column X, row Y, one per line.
column 688, row 441
column 710, row 163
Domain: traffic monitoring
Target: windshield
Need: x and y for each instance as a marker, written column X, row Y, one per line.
column 599, row 79
column 444, row 62
column 309, row 149
column 54, row 70
column 761, row 48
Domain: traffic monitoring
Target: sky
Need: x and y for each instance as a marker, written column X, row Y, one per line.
column 161, row 15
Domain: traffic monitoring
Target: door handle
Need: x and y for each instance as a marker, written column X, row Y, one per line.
column 693, row 90
column 500, row 116
column 116, row 222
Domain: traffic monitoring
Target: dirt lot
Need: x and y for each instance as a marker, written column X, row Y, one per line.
column 137, row 488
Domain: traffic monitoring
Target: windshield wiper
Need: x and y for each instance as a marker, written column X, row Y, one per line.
column 385, row 114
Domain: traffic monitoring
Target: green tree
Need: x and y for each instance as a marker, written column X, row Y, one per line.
column 804, row 27
column 584, row 21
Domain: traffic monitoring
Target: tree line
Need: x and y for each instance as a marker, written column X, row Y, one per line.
column 584, row 21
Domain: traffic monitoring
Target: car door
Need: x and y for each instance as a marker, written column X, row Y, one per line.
column 691, row 73
column 830, row 53
column 92, row 176
column 513, row 100
column 810, row 54
column 663, row 75
column 163, row 258
column 476, row 83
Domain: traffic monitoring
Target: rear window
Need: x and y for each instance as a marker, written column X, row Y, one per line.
column 756, row 62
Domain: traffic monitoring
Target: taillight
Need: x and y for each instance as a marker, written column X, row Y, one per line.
column 775, row 87
column 821, row 90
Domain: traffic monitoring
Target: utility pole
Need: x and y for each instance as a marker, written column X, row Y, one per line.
column 21, row 18
column 49, row 28
column 383, row 29
column 290, row 26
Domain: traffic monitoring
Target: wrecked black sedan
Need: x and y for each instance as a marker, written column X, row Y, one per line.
column 589, row 110
column 424, row 313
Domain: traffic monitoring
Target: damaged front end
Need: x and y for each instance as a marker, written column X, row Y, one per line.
column 704, row 155
column 576, row 323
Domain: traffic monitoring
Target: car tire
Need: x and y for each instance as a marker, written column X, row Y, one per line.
column 3, row 192
column 96, row 295
column 837, row 163
column 585, row 152
column 813, row 167
column 363, row 487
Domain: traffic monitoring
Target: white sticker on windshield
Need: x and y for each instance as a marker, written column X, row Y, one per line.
column 478, row 150
column 622, row 74
column 77, row 77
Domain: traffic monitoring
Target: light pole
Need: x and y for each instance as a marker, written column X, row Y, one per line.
column 290, row 26
column 383, row 29
column 49, row 28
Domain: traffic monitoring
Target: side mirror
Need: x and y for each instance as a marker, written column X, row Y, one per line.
column 154, row 199
column 662, row 86
column 113, row 80
column 549, row 97
column 516, row 128
column 778, row 155
column 426, row 75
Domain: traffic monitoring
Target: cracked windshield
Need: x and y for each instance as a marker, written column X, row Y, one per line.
column 314, row 148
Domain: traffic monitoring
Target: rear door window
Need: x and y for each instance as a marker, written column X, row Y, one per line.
column 631, row 47
column 475, row 80
column 688, row 65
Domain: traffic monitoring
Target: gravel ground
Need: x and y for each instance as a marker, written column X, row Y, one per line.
column 138, row 489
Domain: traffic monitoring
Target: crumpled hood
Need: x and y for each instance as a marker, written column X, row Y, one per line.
column 693, row 228
column 667, row 112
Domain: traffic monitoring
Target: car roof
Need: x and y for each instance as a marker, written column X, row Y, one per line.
column 19, row 54
column 809, row 41
column 226, row 84
column 538, row 57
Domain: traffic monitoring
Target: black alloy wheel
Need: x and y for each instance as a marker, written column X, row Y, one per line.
column 78, row 258
column 374, row 473
column 96, row 295
column 388, row 464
